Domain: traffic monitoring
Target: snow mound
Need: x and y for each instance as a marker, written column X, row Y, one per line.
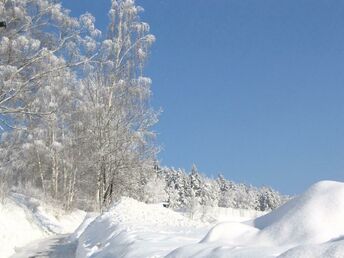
column 84, row 224
column 231, row 233
column 314, row 217
column 332, row 249
column 135, row 229
column 49, row 218
column 15, row 228
column 24, row 219
column 132, row 212
column 309, row 226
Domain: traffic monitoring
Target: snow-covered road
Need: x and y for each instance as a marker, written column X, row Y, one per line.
column 60, row 246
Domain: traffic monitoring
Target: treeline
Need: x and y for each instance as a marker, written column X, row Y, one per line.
column 187, row 190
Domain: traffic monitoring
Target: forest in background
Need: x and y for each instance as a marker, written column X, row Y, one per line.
column 76, row 117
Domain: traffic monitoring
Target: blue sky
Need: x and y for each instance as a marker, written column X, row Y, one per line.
column 251, row 89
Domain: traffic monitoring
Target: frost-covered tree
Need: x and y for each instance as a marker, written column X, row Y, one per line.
column 269, row 199
column 40, row 39
column 193, row 203
column 211, row 193
column 187, row 191
column 225, row 194
column 95, row 141
column 176, row 187
column 51, row 143
column 41, row 51
column 115, row 110
column 154, row 190
column 195, row 181
column 76, row 116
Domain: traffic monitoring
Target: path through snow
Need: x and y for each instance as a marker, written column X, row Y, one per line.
column 30, row 228
column 59, row 246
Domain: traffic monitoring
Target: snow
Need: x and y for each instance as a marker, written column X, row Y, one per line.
column 310, row 225
column 49, row 218
column 220, row 214
column 24, row 220
column 230, row 232
column 53, row 246
column 136, row 229
column 90, row 217
column 332, row 249
column 314, row 217
column 15, row 228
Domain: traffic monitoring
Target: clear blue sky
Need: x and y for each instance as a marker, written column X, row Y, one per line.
column 251, row 89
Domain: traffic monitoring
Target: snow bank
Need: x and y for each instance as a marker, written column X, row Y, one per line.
column 135, row 229
column 310, row 225
column 314, row 217
column 50, row 219
column 24, row 220
column 132, row 212
column 15, row 228
column 90, row 217
column 230, row 233
column 332, row 249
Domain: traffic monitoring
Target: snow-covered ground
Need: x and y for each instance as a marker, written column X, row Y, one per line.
column 310, row 225
column 135, row 229
column 24, row 220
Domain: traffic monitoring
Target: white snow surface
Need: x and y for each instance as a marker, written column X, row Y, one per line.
column 24, row 220
column 317, row 216
column 309, row 226
column 135, row 229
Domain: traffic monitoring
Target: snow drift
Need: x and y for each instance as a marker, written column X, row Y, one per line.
column 314, row 217
column 135, row 229
column 15, row 228
column 310, row 225
column 24, row 219
column 331, row 249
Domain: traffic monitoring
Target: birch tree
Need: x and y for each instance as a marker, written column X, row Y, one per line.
column 95, row 142
column 41, row 50
column 40, row 39
column 116, row 105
